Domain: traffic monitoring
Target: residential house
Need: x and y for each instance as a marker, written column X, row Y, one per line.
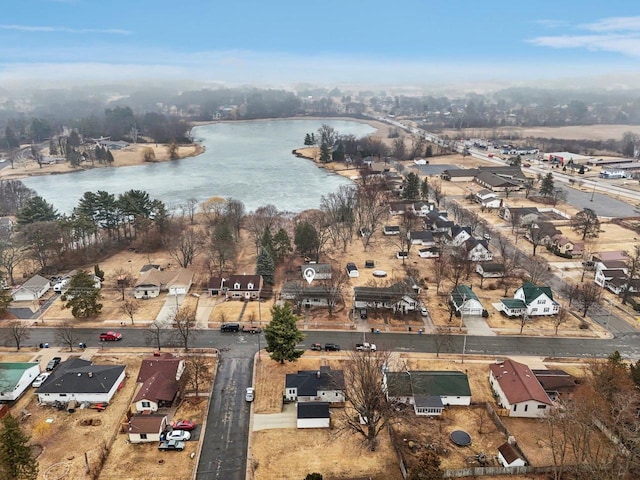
column 465, row 301
column 307, row 296
column 541, row 233
column 237, row 287
column 15, row 378
column 391, row 230
column 428, row 391
column 531, row 300
column 80, row 380
column 429, row 252
column 520, row 215
column 399, row 297
column 509, row 457
column 146, row 428
column 322, row 385
column 459, row 235
column 153, row 281
column 422, row 209
column 490, row 269
column 399, row 208
column 478, row 250
column 421, row 237
column 322, row 271
column 556, row 383
column 496, row 183
column 31, row 290
column 618, row 285
column 612, row 255
column 567, row 247
column 313, row 415
column 484, row 195
column 159, row 376
column 518, row 390
column 439, row 222
column 610, row 270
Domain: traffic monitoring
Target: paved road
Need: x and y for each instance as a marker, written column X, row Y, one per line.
column 224, row 447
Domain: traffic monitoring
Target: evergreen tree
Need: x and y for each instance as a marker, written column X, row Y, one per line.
column 10, row 138
column 325, row 153
column 282, row 335
column 307, row 140
column 109, row 156
column 82, row 296
column 547, row 186
column 411, row 190
column 5, row 300
column 281, row 244
column 338, row 154
column 267, row 242
column 53, row 147
column 424, row 189
column 266, row 267
column 429, row 151
column 306, row 238
column 16, row 459
column 36, row 209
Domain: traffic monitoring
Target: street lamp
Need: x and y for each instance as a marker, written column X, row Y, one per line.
column 594, row 190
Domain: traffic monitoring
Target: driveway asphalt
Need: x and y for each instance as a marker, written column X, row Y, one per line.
column 476, row 325
column 285, row 419
column 167, row 312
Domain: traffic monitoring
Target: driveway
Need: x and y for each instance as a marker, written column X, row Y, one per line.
column 167, row 312
column 285, row 419
column 476, row 325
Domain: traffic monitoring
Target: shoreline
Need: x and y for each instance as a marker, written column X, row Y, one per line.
column 132, row 155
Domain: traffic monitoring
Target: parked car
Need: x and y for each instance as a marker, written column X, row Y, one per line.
column 424, row 312
column 332, row 347
column 110, row 336
column 230, row 327
column 40, row 379
column 363, row 314
column 53, row 363
column 251, row 329
column 183, row 425
column 316, row 346
column 178, row 435
column 171, row 445
column 366, row 347
column 248, row 396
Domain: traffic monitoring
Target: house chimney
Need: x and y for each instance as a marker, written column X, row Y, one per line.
column 90, row 374
column 318, row 374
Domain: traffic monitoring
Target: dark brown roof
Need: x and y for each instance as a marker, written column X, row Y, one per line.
column 157, row 388
column 508, row 452
column 146, row 423
column 165, row 363
column 518, row 382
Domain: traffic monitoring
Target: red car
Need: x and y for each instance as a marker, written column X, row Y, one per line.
column 183, row 425
column 110, row 336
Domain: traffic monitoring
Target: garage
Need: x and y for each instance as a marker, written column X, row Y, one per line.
column 313, row 415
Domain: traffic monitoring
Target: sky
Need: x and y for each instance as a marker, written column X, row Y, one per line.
column 332, row 42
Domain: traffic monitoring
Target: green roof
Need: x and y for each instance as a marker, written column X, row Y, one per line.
column 438, row 383
column 11, row 373
column 532, row 292
column 462, row 293
column 513, row 304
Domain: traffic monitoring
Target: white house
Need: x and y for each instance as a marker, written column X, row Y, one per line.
column 322, row 271
column 304, row 295
column 313, row 415
column 31, row 290
column 478, row 250
column 421, row 237
column 146, row 428
column 391, row 230
column 429, row 252
column 80, row 380
column 428, row 391
column 323, row 385
column 518, row 390
column 530, row 299
column 15, row 378
column 465, row 301
column 400, row 297
column 460, row 235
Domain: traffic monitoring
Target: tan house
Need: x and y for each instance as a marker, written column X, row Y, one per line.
column 146, row 428
column 153, row 281
column 566, row 246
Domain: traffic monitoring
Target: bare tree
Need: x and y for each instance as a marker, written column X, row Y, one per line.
column 443, row 340
column 436, row 192
column 524, row 319
column 560, row 318
column 19, row 333
column 196, row 371
column 570, row 291
column 154, row 333
column 267, row 217
column 440, row 269
column 65, row 333
column 129, row 307
column 408, row 222
column 222, row 248
column 339, row 209
column 184, row 324
column 234, row 212
column 369, row 411
column 589, row 294
column 184, row 245
column 189, row 209
column 11, row 256
column 371, row 208
column 537, row 269
column 586, row 223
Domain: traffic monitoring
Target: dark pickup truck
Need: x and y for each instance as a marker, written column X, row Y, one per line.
column 171, row 445
column 332, row 347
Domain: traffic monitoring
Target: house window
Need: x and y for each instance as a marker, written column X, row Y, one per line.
column 526, row 407
column 143, row 436
column 236, row 286
column 542, row 407
column 540, row 302
column 250, row 286
column 515, row 407
column 545, row 310
column 63, row 394
column 146, row 404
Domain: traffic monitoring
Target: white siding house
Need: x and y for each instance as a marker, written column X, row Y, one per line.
column 518, row 390
column 146, row 428
column 15, row 378
column 31, row 290
column 323, row 385
column 313, row 415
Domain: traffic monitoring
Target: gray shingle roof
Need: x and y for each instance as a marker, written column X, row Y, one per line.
column 313, row 410
column 81, row 376
column 310, row 382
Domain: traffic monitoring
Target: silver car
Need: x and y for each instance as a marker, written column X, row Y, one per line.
column 178, row 435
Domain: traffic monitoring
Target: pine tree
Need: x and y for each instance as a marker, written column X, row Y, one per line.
column 411, row 190
column 307, row 140
column 16, row 459
column 282, row 335
column 82, row 296
column 267, row 242
column 547, row 187
column 281, row 244
column 424, row 189
column 265, row 267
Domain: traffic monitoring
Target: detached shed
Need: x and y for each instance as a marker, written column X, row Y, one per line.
column 508, row 456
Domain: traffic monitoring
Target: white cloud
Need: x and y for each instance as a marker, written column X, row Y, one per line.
column 613, row 24
column 50, row 29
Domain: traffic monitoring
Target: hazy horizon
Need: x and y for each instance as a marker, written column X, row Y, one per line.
column 416, row 45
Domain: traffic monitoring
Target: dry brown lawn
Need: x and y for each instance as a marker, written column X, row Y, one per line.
column 288, row 454
column 578, row 132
